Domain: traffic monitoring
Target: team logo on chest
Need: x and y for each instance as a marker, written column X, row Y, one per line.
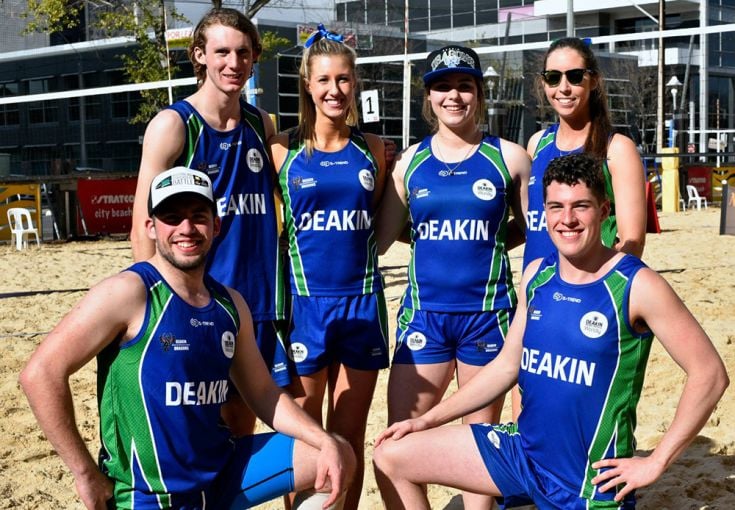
column 558, row 296
column 534, row 314
column 228, row 343
column 484, row 189
column 254, row 160
column 593, row 324
column 303, row 182
column 169, row 342
column 366, row 179
column 419, row 192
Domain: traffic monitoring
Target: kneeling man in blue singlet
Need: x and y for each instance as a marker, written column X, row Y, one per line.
column 168, row 340
column 578, row 347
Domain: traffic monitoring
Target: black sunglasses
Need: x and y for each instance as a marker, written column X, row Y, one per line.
column 574, row 76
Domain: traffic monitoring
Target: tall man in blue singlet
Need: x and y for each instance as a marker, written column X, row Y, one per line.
column 168, row 340
column 218, row 133
column 578, row 347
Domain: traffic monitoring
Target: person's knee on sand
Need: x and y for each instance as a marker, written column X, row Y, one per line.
column 305, row 476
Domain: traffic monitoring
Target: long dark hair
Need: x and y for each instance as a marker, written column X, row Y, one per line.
column 600, row 124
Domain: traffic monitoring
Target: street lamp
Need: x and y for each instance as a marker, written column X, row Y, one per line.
column 674, row 85
column 491, row 77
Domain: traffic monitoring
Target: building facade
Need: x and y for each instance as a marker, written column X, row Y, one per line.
column 56, row 136
column 704, row 64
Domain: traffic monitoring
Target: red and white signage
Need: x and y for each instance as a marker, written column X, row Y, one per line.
column 107, row 204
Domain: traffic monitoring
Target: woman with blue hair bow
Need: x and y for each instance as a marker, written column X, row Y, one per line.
column 331, row 176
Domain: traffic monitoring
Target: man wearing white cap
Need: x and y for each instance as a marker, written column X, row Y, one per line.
column 168, row 339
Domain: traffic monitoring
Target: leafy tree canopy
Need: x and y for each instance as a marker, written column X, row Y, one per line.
column 144, row 20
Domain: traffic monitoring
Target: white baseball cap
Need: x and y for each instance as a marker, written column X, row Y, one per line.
column 177, row 181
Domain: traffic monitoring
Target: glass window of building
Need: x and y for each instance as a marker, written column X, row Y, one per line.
column 514, row 3
column 123, row 105
column 486, row 12
column 440, row 12
column 375, row 12
column 463, row 13
column 354, row 12
column 9, row 115
column 418, row 16
column 396, row 13
column 123, row 156
column 42, row 112
column 92, row 104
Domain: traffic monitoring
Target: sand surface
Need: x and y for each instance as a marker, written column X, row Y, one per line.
column 39, row 285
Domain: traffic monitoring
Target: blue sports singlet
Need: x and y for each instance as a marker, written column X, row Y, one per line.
column 160, row 396
column 459, row 262
column 329, row 219
column 538, row 242
column 581, row 374
column 245, row 254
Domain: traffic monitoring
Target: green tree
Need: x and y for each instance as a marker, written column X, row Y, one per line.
column 144, row 20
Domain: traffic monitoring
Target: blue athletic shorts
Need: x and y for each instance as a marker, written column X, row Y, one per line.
column 260, row 469
column 270, row 337
column 521, row 482
column 475, row 338
column 352, row 330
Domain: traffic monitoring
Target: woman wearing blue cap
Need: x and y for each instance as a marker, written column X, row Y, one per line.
column 458, row 187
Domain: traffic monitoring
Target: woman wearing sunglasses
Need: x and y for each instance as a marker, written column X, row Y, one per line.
column 573, row 85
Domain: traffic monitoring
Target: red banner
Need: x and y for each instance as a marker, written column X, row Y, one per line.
column 107, row 204
column 701, row 178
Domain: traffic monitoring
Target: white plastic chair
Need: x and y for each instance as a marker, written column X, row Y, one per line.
column 694, row 197
column 21, row 225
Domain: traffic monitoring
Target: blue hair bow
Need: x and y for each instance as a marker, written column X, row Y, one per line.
column 323, row 33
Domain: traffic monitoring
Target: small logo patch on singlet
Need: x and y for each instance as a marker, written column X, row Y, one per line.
column 419, row 193
column 196, row 322
column 484, row 189
column 366, row 179
column 558, row 296
column 228, row 343
column 255, row 160
column 300, row 182
column 169, row 342
column 593, row 324
column 534, row 313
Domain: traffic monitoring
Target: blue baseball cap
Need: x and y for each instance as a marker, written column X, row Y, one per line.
column 451, row 59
